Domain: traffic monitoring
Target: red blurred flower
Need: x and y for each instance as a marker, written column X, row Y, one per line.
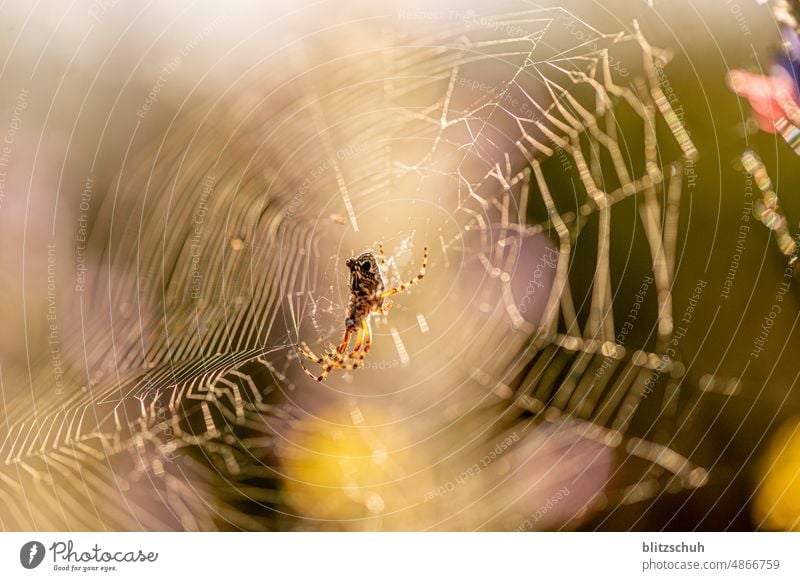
column 771, row 97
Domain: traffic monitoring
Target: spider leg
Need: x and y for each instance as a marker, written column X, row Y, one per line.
column 366, row 331
column 382, row 255
column 412, row 282
column 384, row 309
column 306, row 352
column 357, row 346
column 309, row 354
column 367, row 342
column 348, row 332
column 329, row 363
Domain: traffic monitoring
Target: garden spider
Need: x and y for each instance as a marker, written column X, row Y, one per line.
column 367, row 296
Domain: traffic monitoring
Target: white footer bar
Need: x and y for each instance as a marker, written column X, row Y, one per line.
column 406, row 556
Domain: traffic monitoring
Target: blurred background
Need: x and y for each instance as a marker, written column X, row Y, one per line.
column 603, row 340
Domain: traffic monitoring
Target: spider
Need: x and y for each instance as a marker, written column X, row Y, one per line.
column 367, row 296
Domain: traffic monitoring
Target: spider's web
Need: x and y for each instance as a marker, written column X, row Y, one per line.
column 227, row 265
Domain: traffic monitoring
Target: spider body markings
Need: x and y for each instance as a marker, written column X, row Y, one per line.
column 368, row 294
